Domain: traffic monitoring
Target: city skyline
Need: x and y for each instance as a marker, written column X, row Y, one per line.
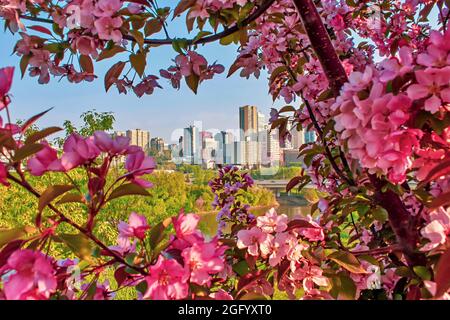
column 252, row 145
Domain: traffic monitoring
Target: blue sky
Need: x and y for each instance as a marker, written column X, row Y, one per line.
column 216, row 103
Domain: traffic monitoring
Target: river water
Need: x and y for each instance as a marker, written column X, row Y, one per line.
column 290, row 206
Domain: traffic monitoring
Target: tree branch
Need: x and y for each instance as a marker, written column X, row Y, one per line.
column 238, row 26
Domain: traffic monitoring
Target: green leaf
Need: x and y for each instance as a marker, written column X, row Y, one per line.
column 380, row 214
column 9, row 235
column 129, row 189
column 70, row 198
column 138, row 61
column 157, row 233
column 24, row 64
column 26, row 151
column 192, row 81
column 51, row 193
column 422, row 272
column 241, row 268
column 41, row 134
column 79, row 244
column 347, row 261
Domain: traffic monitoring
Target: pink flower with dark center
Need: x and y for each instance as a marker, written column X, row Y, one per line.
column 45, row 160
column 430, row 85
column 272, row 222
column 187, row 234
column 137, row 226
column 32, row 276
column 108, row 28
column 251, row 239
column 137, row 165
column 203, row 260
column 78, row 151
column 167, row 280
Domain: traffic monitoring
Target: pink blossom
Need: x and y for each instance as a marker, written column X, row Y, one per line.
column 277, row 247
column 312, row 234
column 429, row 85
column 202, row 260
column 45, row 160
column 251, row 239
column 438, row 229
column 432, row 287
column 3, row 175
column 78, row 151
column 309, row 275
column 137, row 165
column 272, row 222
column 137, row 226
column 108, row 28
column 6, row 77
column 33, row 276
column 85, row 45
column 107, row 8
column 147, row 86
column 221, row 295
column 187, row 234
column 118, row 145
column 167, row 280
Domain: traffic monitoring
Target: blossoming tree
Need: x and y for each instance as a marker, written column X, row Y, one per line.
column 371, row 78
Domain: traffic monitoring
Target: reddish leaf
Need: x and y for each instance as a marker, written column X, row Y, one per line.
column 41, row 134
column 86, row 64
column 441, row 200
column 113, row 74
column 192, row 81
column 443, row 168
column 294, row 181
column 300, row 223
column 33, row 119
column 9, row 249
column 152, row 26
column 442, row 276
column 183, row 6
column 41, row 29
column 27, row 150
column 108, row 53
column 24, row 64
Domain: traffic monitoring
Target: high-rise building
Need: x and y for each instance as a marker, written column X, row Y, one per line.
column 239, row 153
column 273, row 148
column 225, row 147
column 140, row 138
column 192, row 145
column 248, row 121
column 298, row 138
column 310, row 136
column 209, row 147
column 157, row 144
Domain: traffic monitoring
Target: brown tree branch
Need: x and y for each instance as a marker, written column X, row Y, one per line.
column 238, row 26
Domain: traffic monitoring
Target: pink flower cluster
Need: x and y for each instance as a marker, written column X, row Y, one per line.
column 273, row 240
column 437, row 231
column 81, row 151
column 6, row 77
column 370, row 120
column 189, row 259
column 190, row 64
